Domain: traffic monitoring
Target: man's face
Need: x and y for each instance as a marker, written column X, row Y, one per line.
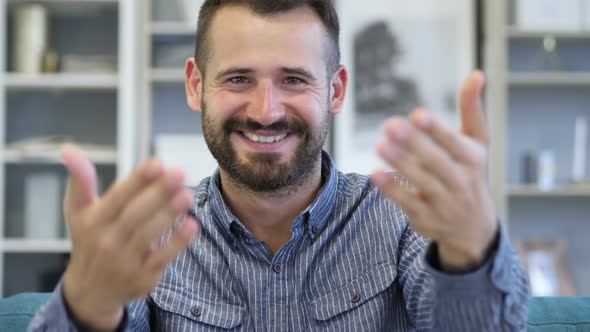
column 266, row 100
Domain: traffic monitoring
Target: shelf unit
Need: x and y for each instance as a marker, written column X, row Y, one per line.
column 171, row 28
column 98, row 108
column 549, row 79
column 513, row 32
column 166, row 75
column 168, row 41
column 532, row 105
column 169, row 37
column 62, row 81
column 36, row 246
column 529, row 190
column 106, row 157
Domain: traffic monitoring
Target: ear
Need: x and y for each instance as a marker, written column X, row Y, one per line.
column 338, row 86
column 193, row 84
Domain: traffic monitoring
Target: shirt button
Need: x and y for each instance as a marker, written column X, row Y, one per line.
column 315, row 229
column 355, row 298
column 276, row 268
column 196, row 311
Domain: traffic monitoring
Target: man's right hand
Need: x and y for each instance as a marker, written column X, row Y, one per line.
column 116, row 255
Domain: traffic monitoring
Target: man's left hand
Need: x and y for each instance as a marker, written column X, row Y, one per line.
column 449, row 199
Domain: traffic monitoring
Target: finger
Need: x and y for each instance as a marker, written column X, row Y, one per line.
column 149, row 202
column 179, row 240
column 473, row 122
column 409, row 167
column 119, row 195
column 81, row 190
column 407, row 198
column 153, row 229
column 457, row 146
column 429, row 155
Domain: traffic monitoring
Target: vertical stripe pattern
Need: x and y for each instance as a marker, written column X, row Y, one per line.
column 353, row 263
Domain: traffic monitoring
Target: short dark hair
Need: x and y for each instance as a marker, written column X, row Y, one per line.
column 323, row 8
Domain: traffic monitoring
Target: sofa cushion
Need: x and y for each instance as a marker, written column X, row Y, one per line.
column 571, row 314
column 17, row 311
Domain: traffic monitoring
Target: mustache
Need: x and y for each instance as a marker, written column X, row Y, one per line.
column 235, row 124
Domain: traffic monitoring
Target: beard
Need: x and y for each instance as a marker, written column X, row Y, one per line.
column 264, row 172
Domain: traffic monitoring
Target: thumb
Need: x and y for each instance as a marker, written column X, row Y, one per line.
column 473, row 121
column 81, row 190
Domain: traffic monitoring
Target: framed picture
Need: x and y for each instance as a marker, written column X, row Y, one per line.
column 400, row 55
column 546, row 265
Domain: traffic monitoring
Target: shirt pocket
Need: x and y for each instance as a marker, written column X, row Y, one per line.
column 182, row 307
column 358, row 292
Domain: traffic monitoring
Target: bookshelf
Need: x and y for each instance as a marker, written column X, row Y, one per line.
column 532, row 103
column 97, row 108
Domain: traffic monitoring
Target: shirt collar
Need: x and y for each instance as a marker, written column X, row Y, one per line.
column 315, row 216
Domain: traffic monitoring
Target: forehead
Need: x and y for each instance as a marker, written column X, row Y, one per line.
column 239, row 37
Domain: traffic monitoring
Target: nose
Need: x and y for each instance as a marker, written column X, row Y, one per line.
column 266, row 108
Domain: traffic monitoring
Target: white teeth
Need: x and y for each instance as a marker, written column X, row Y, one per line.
column 264, row 139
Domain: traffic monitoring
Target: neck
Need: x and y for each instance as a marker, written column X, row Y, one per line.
column 269, row 215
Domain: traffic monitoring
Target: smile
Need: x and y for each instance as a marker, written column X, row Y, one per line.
column 264, row 139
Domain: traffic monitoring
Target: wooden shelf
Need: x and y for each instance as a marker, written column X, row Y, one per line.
column 36, row 245
column 104, row 157
column 62, row 81
column 549, row 79
column 69, row 1
column 62, row 5
column 167, row 75
column 172, row 28
column 71, row 7
column 533, row 191
column 517, row 33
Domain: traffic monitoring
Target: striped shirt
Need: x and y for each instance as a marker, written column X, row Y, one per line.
column 353, row 263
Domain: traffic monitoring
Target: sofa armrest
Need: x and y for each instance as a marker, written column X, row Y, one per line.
column 567, row 313
column 17, row 311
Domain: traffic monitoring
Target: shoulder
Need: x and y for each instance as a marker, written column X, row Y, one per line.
column 358, row 201
column 356, row 187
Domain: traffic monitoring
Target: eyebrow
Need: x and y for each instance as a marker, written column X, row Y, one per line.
column 299, row 71
column 288, row 70
column 233, row 71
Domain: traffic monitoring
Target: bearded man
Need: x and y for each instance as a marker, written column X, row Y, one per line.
column 285, row 241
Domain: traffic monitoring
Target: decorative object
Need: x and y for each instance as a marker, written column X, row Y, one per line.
column 189, row 152
column 547, row 57
column 400, row 55
column 549, row 15
column 74, row 63
column 545, row 262
column 546, row 172
column 43, row 205
column 49, row 147
column 30, row 37
column 50, row 61
column 530, row 168
column 580, row 146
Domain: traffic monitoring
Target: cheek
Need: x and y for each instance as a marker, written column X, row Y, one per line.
column 309, row 108
column 224, row 105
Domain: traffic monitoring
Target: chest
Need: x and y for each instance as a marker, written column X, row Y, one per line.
column 345, row 283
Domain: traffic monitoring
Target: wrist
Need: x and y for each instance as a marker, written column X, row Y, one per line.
column 467, row 259
column 84, row 312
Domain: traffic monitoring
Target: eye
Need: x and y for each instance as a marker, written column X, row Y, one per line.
column 238, row 80
column 294, row 80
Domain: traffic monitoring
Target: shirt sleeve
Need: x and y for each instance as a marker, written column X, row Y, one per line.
column 492, row 298
column 54, row 316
